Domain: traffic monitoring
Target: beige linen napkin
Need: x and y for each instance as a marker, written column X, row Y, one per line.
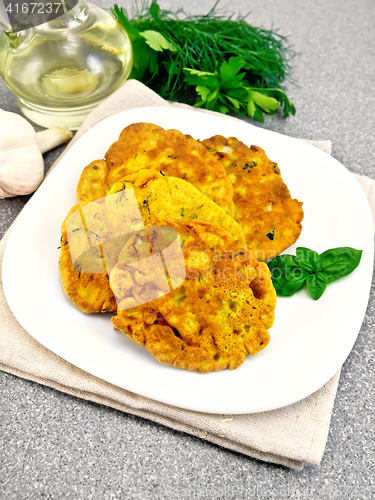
column 290, row 436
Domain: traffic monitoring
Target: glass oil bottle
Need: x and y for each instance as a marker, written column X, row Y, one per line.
column 61, row 70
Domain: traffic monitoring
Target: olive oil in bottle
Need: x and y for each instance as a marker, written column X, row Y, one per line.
column 63, row 69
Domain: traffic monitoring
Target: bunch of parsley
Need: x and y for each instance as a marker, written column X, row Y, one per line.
column 210, row 61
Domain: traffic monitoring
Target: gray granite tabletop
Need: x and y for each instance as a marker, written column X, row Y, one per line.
column 57, row 446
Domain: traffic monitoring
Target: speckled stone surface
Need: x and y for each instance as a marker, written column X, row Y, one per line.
column 58, row 447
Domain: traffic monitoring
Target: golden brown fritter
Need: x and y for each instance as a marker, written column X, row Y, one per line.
column 160, row 196
column 144, row 145
column 92, row 184
column 90, row 292
column 270, row 218
column 219, row 315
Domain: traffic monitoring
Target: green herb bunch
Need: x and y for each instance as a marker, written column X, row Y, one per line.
column 291, row 273
column 210, row 61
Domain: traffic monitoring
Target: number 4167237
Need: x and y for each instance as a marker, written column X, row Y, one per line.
column 30, row 8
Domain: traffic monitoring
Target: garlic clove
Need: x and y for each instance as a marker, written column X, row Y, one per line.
column 21, row 160
column 52, row 137
column 6, row 187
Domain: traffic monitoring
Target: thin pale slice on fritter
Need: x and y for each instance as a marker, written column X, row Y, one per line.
column 144, row 145
column 93, row 234
column 90, row 292
column 270, row 217
column 219, row 314
column 159, row 196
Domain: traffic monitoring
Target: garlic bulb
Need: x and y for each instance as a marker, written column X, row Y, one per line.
column 21, row 148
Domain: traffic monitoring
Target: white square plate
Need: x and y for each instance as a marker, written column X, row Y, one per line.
column 309, row 340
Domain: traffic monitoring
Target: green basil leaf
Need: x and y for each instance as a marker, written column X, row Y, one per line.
column 287, row 276
column 309, row 260
column 339, row 262
column 316, row 284
column 290, row 283
column 284, row 261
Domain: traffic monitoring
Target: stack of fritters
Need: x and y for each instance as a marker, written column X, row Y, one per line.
column 170, row 232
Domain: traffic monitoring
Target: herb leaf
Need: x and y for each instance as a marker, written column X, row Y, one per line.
column 308, row 259
column 254, row 111
column 227, row 88
column 287, row 276
column 156, row 41
column 195, row 77
column 282, row 98
column 316, row 284
column 242, row 66
column 269, row 104
column 144, row 58
column 290, row 273
column 339, row 262
column 155, row 11
column 123, row 20
column 229, row 70
column 203, row 92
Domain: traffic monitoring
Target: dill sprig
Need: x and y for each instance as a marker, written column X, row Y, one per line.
column 178, row 55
